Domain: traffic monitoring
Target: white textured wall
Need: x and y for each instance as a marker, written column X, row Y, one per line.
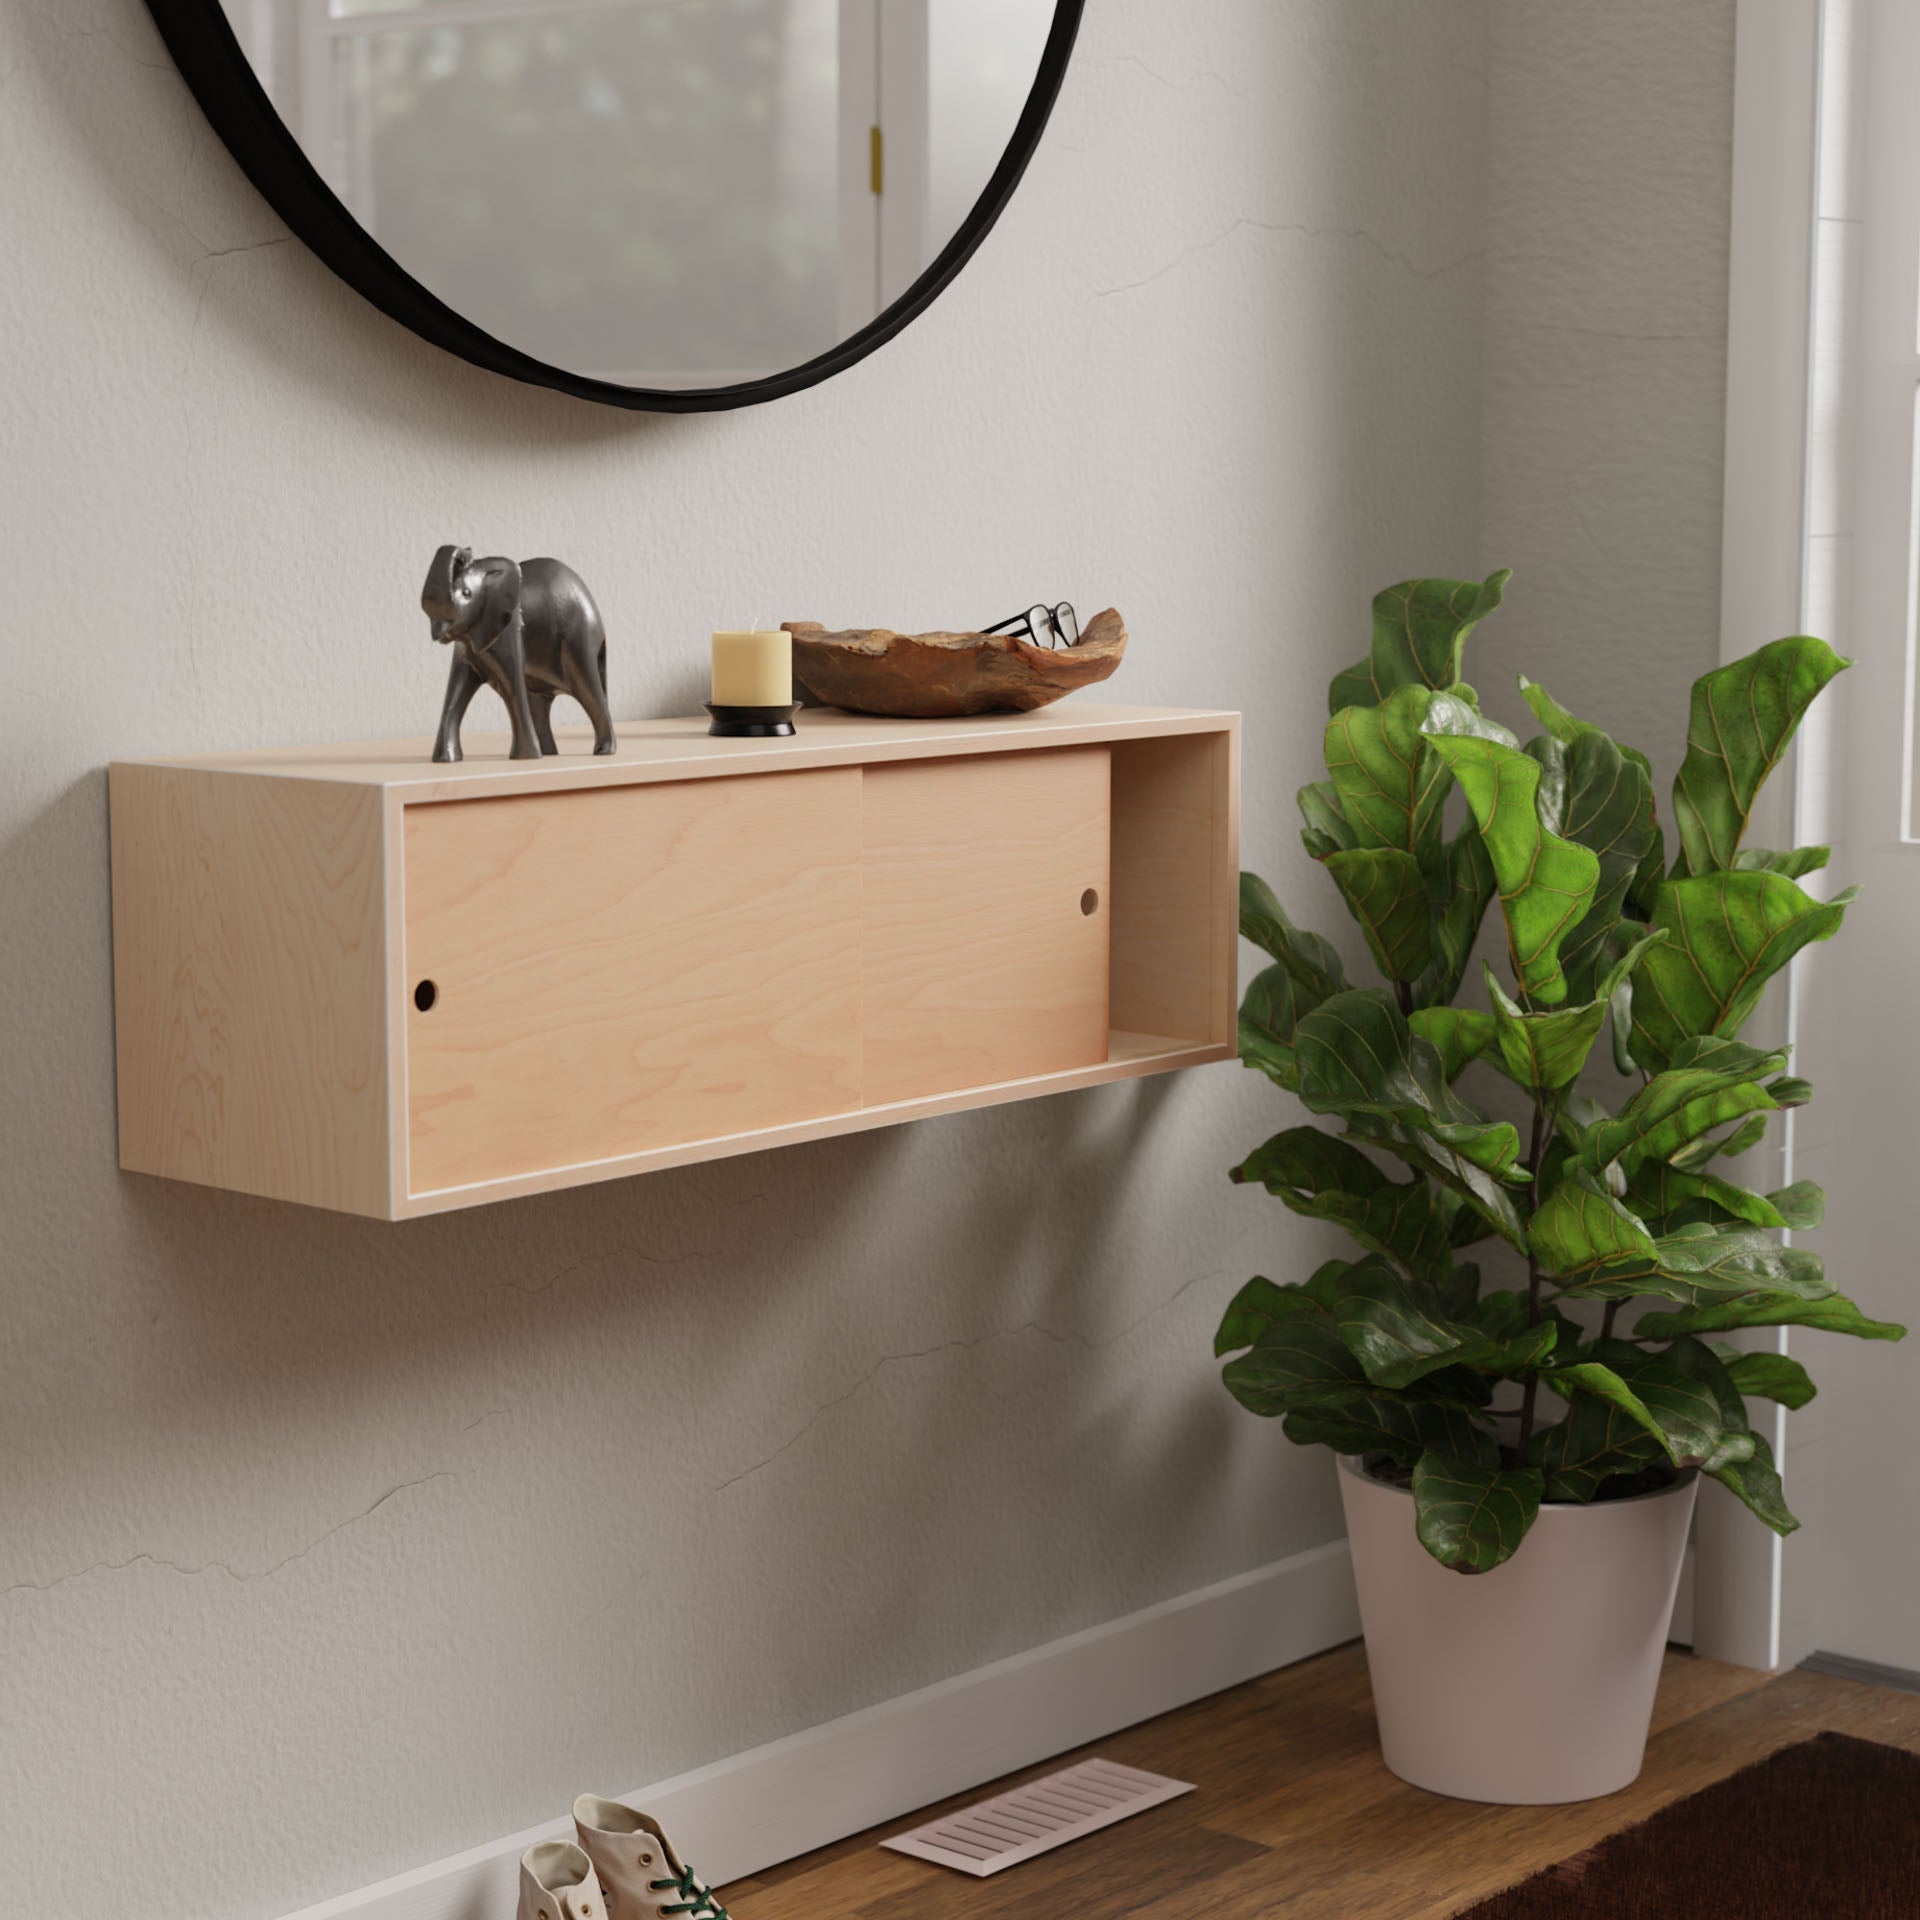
column 327, row 1547
column 1609, row 171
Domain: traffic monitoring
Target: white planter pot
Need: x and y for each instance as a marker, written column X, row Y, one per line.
column 1532, row 1684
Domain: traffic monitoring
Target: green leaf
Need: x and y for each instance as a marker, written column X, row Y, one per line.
column 1299, row 1366
column 1559, row 723
column 1796, row 864
column 1831, row 1313
column 1651, row 875
column 1771, row 1376
column 1589, row 1376
column 1397, row 1333
column 1326, row 1179
column 1327, row 828
column 1297, row 1357
column 1382, row 1422
column 1420, row 630
column 1731, row 1059
column 1730, row 934
column 1460, row 1291
column 1679, row 1396
column 1546, row 883
column 1581, row 1229
column 1507, row 1315
column 1756, row 1482
column 1574, row 1116
column 1790, row 1091
column 1595, row 1443
column 1550, row 797
column 1358, row 1055
column 1543, row 1051
column 1251, row 1311
column 1456, row 711
column 1467, row 883
column 1610, row 812
column 1386, row 892
column 1743, row 717
column 1486, row 1199
column 1605, row 805
column 1471, row 1516
column 1710, row 1083
column 1547, row 1051
column 1802, row 1206
column 1310, row 961
column 1720, row 1261
column 1400, row 1333
column 1620, row 1002
column 1460, row 1035
column 1743, row 1138
column 1671, row 1198
column 1703, row 1264
column 1391, row 784
column 1268, row 1016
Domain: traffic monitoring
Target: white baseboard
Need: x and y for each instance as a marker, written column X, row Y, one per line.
column 752, row 1811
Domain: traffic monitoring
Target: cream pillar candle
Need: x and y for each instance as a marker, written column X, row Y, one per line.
column 753, row 669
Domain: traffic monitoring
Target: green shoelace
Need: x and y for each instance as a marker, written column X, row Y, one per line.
column 697, row 1903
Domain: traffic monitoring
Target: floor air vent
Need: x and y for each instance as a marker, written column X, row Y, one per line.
column 1038, row 1817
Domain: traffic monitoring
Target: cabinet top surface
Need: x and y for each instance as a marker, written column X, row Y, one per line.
column 683, row 749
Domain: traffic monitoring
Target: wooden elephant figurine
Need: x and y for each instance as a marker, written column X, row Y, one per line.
column 528, row 629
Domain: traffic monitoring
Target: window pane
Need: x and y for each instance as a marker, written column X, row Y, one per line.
column 647, row 194
column 982, row 57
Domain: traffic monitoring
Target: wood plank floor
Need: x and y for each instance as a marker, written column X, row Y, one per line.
column 1296, row 1815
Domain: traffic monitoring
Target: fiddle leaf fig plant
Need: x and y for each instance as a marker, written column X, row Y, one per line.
column 1602, row 1377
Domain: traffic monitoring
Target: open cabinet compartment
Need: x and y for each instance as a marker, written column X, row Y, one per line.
column 352, row 978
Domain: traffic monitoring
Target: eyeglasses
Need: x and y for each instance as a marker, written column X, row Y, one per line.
column 1057, row 626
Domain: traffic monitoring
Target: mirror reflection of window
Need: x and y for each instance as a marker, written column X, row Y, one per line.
column 656, row 179
column 982, row 56
column 658, row 193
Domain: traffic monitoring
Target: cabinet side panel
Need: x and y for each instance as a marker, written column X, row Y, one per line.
column 981, row 964
column 1174, row 887
column 627, row 969
column 250, row 984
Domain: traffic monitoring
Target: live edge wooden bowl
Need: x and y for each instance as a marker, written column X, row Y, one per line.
column 935, row 676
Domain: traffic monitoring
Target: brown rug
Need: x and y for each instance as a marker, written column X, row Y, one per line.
column 1827, row 1830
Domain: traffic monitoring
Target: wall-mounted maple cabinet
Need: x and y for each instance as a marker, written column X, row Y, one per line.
column 349, row 977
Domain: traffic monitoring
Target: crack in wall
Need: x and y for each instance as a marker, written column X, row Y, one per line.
column 1204, row 77
column 1298, row 229
column 191, row 1570
column 246, row 246
column 887, row 1360
column 162, row 65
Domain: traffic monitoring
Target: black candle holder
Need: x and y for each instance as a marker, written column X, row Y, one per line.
column 752, row 723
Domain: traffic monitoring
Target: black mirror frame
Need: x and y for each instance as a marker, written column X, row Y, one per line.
column 209, row 57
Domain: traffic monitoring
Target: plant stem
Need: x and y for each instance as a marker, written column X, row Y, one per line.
column 1609, row 1317
column 1403, row 991
column 1536, row 1154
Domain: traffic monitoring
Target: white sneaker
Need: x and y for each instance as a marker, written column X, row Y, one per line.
column 639, row 1871
column 557, row 1883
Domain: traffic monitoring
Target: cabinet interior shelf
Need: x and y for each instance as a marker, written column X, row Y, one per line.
column 349, row 977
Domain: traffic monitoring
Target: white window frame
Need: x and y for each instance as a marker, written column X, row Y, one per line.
column 1766, row 575
column 1822, row 535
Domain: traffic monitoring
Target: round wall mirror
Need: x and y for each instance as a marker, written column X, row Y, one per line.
column 667, row 204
